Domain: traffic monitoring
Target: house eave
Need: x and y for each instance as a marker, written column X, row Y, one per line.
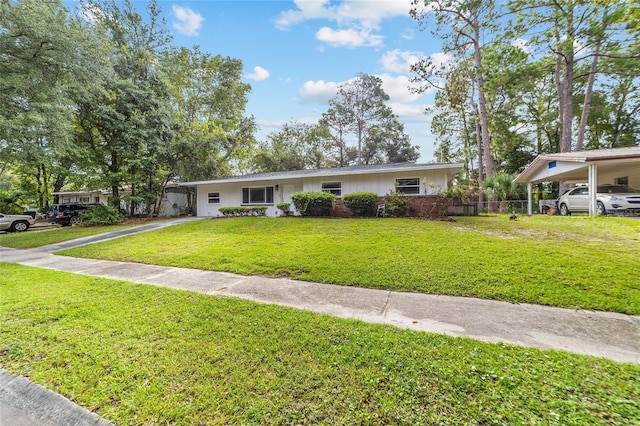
column 302, row 174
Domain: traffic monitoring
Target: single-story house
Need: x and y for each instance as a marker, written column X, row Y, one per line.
column 269, row 189
column 82, row 196
column 173, row 203
column 595, row 167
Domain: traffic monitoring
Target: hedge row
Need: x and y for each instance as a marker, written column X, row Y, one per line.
column 243, row 211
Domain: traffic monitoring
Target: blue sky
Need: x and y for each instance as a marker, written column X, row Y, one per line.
column 296, row 53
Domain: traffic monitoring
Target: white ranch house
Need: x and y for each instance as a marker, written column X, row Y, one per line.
column 269, row 189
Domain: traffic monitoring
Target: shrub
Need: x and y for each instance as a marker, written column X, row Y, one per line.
column 314, row 203
column 258, row 211
column 285, row 208
column 396, row 204
column 101, row 215
column 361, row 203
column 243, row 211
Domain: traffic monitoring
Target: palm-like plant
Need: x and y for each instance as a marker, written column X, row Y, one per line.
column 500, row 187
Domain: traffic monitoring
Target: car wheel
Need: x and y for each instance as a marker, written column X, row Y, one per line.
column 19, row 226
column 564, row 210
column 76, row 220
column 600, row 210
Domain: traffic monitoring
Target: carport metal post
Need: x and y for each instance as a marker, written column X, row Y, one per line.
column 593, row 188
column 529, row 199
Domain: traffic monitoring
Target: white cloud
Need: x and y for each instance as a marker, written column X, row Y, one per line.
column 398, row 88
column 408, row 34
column 348, row 38
column 90, row 13
column 410, row 113
column 356, row 20
column 271, row 124
column 400, row 61
column 258, row 74
column 405, row 105
column 188, row 22
column 318, row 91
column 441, row 59
column 522, row 44
column 371, row 11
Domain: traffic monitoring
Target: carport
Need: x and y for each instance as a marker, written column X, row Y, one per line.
column 598, row 166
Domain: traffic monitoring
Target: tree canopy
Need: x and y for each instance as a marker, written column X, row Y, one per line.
column 530, row 77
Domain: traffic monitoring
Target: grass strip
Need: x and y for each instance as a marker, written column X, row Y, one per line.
column 39, row 238
column 571, row 262
column 139, row 354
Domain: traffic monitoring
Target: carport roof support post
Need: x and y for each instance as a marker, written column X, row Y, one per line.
column 593, row 189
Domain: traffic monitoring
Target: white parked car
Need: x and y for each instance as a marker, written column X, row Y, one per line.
column 609, row 198
column 15, row 222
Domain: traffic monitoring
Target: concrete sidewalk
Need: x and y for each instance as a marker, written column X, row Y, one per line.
column 602, row 334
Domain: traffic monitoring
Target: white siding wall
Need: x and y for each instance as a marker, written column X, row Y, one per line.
column 381, row 183
column 231, row 195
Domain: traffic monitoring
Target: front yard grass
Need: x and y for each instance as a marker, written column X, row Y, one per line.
column 39, row 238
column 138, row 354
column 571, row 262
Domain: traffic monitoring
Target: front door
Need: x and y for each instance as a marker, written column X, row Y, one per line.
column 287, row 191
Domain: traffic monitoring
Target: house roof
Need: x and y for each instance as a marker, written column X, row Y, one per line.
column 82, row 191
column 572, row 166
column 451, row 168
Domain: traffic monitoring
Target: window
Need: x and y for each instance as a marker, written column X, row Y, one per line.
column 408, row 186
column 258, row 195
column 622, row 180
column 97, row 199
column 213, row 197
column 334, row 188
column 84, row 199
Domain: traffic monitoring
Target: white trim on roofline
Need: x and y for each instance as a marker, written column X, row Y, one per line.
column 338, row 171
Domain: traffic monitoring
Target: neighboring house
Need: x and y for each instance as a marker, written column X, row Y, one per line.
column 269, row 189
column 82, row 196
column 173, row 203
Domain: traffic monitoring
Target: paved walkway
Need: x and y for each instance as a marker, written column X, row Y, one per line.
column 603, row 334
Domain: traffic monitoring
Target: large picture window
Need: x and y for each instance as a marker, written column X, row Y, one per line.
column 257, row 195
column 410, row 186
column 334, row 188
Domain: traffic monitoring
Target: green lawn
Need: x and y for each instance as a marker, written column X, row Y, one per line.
column 138, row 354
column 572, row 262
column 38, row 238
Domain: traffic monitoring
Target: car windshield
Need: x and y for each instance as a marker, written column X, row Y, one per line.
column 616, row 189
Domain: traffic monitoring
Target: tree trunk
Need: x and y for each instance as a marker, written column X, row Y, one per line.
column 587, row 100
column 480, row 168
column 482, row 103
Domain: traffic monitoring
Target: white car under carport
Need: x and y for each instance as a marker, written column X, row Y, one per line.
column 610, row 199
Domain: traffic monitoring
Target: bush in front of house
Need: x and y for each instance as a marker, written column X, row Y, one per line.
column 396, row 204
column 314, row 203
column 285, row 208
column 243, row 211
column 361, row 203
column 101, row 215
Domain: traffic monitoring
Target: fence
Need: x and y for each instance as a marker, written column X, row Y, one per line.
column 458, row 208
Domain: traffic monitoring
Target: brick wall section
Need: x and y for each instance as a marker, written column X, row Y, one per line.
column 424, row 206
column 429, row 207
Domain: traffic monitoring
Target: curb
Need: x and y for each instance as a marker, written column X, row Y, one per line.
column 23, row 402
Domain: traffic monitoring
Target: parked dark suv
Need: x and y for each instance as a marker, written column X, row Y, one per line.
column 67, row 214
